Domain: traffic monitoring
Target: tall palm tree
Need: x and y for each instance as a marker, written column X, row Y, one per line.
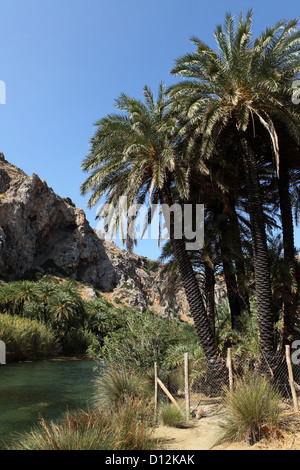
column 242, row 88
column 133, row 155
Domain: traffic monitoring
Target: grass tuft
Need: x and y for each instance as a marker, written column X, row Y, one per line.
column 115, row 387
column 172, row 416
column 254, row 410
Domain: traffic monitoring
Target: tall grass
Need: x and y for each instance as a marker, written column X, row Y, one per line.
column 92, row 430
column 133, row 424
column 254, row 410
column 26, row 338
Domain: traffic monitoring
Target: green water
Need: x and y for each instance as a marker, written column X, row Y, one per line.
column 43, row 388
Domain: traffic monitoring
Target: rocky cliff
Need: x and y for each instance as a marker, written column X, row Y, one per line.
column 42, row 232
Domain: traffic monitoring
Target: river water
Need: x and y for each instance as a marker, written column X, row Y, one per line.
column 43, row 388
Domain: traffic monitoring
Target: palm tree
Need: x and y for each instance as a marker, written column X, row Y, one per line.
column 65, row 311
column 242, row 89
column 133, row 155
column 14, row 295
column 8, row 298
column 45, row 289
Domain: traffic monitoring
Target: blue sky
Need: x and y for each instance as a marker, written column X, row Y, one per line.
column 64, row 63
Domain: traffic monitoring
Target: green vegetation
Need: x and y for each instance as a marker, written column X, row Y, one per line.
column 145, row 339
column 153, row 266
column 48, row 316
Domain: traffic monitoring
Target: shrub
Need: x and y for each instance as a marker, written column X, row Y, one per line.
column 153, row 265
column 145, row 339
column 254, row 410
column 133, row 424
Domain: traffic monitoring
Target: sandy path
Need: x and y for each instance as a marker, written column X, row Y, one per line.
column 205, row 433
column 202, row 436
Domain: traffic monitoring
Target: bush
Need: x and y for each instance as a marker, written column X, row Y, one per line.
column 145, row 339
column 254, row 410
column 153, row 265
column 133, row 424
column 25, row 338
column 78, row 431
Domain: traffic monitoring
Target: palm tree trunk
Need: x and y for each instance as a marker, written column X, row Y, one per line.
column 232, row 289
column 210, row 293
column 191, row 287
column 239, row 260
column 260, row 250
column 291, row 286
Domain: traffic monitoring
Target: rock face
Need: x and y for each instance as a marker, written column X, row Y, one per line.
column 40, row 231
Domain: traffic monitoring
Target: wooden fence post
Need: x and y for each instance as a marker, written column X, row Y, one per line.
column 162, row 386
column 229, row 366
column 155, row 393
column 187, row 385
column 291, row 376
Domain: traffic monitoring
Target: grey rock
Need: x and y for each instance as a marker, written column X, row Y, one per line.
column 40, row 231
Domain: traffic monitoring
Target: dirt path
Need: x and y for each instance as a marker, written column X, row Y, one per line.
column 205, row 433
column 201, row 436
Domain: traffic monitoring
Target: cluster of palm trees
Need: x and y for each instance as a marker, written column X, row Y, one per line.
column 60, row 306
column 227, row 135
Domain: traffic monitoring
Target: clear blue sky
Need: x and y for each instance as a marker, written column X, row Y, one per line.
column 65, row 61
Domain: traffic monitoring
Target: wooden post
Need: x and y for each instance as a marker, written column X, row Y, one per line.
column 168, row 393
column 155, row 393
column 291, row 376
column 229, row 366
column 186, row 385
